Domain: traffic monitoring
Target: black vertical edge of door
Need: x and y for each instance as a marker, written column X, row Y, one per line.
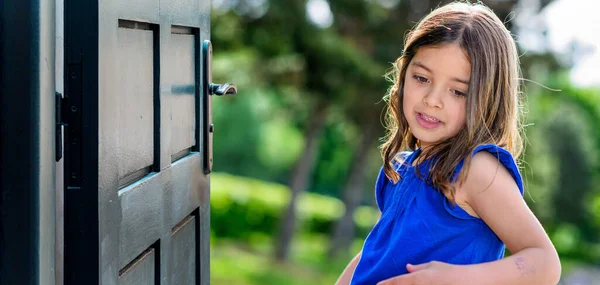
column 19, row 141
column 198, row 91
column 81, row 228
column 206, row 62
column 156, row 95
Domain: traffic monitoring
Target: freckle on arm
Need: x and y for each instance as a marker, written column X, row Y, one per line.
column 524, row 268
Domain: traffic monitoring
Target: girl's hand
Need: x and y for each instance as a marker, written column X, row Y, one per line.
column 431, row 273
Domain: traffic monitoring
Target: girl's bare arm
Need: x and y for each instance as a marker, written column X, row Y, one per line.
column 346, row 276
column 494, row 196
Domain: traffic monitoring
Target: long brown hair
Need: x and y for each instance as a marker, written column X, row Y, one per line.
column 492, row 111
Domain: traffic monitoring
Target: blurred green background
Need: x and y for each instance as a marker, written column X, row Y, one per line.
column 296, row 152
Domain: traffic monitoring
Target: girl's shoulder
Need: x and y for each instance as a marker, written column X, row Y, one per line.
column 486, row 159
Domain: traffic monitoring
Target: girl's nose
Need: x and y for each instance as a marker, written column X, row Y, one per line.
column 433, row 99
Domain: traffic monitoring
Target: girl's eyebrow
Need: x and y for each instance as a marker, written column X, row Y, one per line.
column 421, row 65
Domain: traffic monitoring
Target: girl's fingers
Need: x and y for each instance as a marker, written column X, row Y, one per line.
column 412, row 268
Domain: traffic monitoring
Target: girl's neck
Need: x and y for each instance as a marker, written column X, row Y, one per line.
column 415, row 158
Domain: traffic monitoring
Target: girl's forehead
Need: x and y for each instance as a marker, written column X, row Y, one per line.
column 448, row 59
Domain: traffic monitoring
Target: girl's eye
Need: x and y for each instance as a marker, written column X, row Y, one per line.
column 421, row 79
column 458, row 93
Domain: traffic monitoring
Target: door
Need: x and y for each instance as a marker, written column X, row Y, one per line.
column 137, row 144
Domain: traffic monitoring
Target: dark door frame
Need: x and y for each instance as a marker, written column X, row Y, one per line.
column 81, row 142
column 27, row 153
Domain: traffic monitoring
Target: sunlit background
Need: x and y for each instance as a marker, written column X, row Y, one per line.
column 296, row 152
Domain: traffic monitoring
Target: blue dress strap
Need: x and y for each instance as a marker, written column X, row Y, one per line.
column 382, row 180
column 379, row 188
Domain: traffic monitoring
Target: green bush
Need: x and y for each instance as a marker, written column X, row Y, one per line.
column 242, row 206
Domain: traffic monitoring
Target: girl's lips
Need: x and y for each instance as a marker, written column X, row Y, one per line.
column 427, row 122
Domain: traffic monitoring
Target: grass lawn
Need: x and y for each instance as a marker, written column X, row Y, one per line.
column 252, row 264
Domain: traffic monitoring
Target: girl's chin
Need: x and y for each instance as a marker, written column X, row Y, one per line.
column 425, row 140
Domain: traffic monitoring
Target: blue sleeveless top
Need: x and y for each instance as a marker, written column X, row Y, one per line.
column 418, row 224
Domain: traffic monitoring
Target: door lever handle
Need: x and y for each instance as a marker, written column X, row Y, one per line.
column 222, row 89
column 208, row 89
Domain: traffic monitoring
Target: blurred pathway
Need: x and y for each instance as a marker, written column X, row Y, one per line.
column 582, row 276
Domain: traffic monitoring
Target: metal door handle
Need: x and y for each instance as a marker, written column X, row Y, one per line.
column 208, row 89
column 222, row 89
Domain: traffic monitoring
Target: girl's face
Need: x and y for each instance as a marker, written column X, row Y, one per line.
column 435, row 88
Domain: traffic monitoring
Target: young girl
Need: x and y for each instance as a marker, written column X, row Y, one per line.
column 451, row 204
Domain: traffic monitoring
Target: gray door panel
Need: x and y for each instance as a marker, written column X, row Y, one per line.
column 182, row 100
column 183, row 248
column 142, row 10
column 152, row 195
column 141, row 218
column 141, row 271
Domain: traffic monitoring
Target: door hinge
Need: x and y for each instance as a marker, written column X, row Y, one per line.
column 60, row 104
